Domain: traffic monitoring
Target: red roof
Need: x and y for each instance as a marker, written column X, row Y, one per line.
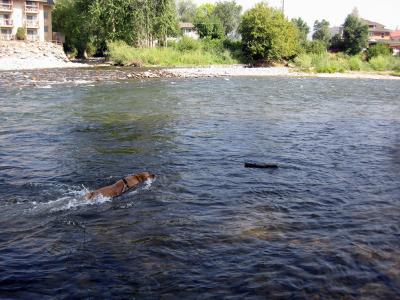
column 395, row 34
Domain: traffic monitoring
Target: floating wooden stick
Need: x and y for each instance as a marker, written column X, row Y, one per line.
column 260, row 165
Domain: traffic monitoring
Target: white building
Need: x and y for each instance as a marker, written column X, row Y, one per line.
column 33, row 16
column 189, row 30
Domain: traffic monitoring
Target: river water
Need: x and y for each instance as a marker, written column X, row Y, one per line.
column 325, row 225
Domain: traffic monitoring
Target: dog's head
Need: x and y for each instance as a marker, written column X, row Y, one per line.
column 145, row 175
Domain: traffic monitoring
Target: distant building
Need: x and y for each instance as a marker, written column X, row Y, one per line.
column 336, row 30
column 395, row 35
column 189, row 30
column 377, row 32
column 34, row 16
column 395, row 42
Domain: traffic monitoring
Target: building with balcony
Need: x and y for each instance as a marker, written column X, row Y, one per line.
column 33, row 16
column 377, row 32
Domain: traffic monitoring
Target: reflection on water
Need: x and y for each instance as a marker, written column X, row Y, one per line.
column 324, row 225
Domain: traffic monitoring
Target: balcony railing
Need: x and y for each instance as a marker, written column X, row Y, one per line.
column 32, row 24
column 32, row 37
column 29, row 8
column 6, row 37
column 6, row 7
column 6, row 23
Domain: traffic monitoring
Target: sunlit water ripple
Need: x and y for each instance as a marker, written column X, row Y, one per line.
column 325, row 225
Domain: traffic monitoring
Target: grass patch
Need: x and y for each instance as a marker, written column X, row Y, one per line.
column 187, row 52
column 321, row 63
column 397, row 73
column 338, row 63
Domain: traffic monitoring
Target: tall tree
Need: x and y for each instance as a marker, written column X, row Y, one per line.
column 355, row 35
column 229, row 14
column 321, row 31
column 303, row 28
column 206, row 23
column 69, row 18
column 186, row 10
column 268, row 35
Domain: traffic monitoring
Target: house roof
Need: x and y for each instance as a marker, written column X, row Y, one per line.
column 186, row 25
column 368, row 22
column 395, row 34
column 380, row 30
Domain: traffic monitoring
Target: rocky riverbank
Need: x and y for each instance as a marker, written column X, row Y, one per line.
column 21, row 55
column 232, row 71
column 99, row 73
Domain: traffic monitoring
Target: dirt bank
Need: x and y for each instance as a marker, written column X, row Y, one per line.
column 21, row 55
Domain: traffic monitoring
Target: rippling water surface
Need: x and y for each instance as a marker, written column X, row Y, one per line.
column 325, row 225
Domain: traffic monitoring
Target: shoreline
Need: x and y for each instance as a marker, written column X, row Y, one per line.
column 43, row 63
column 241, row 71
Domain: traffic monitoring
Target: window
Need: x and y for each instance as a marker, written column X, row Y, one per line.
column 46, row 14
column 46, row 29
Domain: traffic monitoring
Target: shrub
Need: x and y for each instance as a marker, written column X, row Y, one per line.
column 21, row 34
column 120, row 54
column 232, row 45
column 378, row 50
column 187, row 44
column 90, row 49
column 303, row 61
column 315, row 47
column 380, row 63
column 328, row 64
column 322, row 63
column 356, row 63
column 213, row 45
column 235, row 48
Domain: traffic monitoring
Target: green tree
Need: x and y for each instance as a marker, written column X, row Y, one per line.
column 336, row 43
column 186, row 10
column 268, row 35
column 355, row 35
column 315, row 47
column 88, row 23
column 206, row 23
column 303, row 28
column 321, row 31
column 69, row 17
column 228, row 12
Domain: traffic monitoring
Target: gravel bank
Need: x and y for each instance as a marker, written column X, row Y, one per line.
column 20, row 55
column 232, row 71
column 228, row 71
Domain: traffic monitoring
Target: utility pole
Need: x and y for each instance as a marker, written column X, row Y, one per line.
column 283, row 6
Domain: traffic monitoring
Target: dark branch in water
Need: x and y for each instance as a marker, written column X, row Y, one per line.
column 260, row 165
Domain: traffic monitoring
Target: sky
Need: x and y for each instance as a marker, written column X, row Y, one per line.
column 386, row 12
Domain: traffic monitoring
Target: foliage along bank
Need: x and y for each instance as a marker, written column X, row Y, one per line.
column 126, row 30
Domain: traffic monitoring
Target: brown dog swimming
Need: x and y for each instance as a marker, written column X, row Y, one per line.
column 121, row 186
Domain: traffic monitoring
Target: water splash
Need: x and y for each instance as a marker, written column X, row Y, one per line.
column 74, row 198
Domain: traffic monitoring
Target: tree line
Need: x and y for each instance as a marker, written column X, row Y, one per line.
column 263, row 32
